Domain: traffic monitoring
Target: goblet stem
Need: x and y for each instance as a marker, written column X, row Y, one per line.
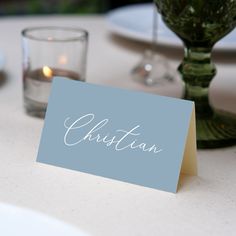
column 197, row 69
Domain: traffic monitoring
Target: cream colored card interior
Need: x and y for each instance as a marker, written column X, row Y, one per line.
column 189, row 163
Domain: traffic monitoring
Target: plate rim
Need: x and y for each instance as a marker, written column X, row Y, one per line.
column 38, row 216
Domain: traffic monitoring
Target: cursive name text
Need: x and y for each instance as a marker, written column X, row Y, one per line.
column 86, row 129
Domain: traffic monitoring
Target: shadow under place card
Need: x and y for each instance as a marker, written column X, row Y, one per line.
column 131, row 136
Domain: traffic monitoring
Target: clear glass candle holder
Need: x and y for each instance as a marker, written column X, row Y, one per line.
column 50, row 52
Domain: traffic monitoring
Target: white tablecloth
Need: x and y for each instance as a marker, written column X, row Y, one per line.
column 204, row 205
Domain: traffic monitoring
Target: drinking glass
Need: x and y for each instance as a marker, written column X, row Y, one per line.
column 154, row 69
column 200, row 24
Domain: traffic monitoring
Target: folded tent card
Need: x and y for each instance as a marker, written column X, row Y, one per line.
column 131, row 136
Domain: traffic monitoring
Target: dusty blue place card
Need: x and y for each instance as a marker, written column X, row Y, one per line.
column 125, row 135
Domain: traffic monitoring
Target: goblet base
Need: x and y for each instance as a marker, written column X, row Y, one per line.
column 216, row 131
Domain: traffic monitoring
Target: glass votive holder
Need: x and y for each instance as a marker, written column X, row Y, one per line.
column 50, row 52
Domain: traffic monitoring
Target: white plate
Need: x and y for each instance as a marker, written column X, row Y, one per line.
column 18, row 221
column 135, row 22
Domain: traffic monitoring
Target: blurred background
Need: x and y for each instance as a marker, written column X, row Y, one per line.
column 26, row 7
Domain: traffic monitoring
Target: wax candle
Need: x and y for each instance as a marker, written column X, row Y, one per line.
column 49, row 52
column 37, row 85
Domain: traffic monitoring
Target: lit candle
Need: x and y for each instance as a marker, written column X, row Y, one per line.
column 50, row 52
column 47, row 72
column 37, row 84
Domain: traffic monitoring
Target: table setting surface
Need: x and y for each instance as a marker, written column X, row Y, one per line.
column 205, row 204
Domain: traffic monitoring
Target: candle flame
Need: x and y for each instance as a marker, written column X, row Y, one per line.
column 47, row 71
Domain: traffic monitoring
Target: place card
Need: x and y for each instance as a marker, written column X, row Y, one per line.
column 131, row 136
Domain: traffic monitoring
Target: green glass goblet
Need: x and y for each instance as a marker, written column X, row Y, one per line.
column 200, row 24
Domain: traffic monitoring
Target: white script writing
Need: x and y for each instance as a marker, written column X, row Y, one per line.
column 124, row 139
